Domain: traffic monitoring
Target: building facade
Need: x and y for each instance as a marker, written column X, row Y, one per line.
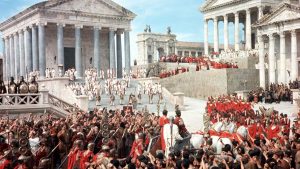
column 67, row 34
column 270, row 26
column 151, row 46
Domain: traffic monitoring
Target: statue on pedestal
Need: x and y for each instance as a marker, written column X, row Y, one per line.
column 169, row 31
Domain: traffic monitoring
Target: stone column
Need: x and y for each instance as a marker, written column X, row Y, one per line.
column 96, row 49
column 112, row 59
column 17, row 55
column 12, row 56
column 248, row 29
column 22, row 53
column 42, row 50
column 205, row 37
column 282, row 58
column 262, row 76
column 127, row 50
column 4, row 59
column 216, row 35
column 226, row 40
column 60, row 46
column 119, row 54
column 294, row 51
column 35, row 58
column 78, row 59
column 271, row 59
column 7, row 53
column 236, row 32
column 28, row 51
column 260, row 12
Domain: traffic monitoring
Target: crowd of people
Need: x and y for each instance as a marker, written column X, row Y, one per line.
column 275, row 93
column 169, row 73
column 271, row 141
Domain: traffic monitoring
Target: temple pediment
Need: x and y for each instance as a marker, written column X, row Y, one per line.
column 209, row 4
column 97, row 7
column 283, row 13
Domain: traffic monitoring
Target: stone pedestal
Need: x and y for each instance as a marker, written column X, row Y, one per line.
column 83, row 102
column 296, row 95
column 44, row 99
column 242, row 94
column 179, row 99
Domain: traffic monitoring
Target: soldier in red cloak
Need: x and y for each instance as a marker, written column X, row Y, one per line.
column 162, row 121
column 273, row 131
column 137, row 147
column 87, row 156
column 179, row 122
column 75, row 155
column 6, row 162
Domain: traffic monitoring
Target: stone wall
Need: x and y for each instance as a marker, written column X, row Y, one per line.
column 212, row 82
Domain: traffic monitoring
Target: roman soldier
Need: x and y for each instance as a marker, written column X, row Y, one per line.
column 42, row 152
column 256, row 129
column 273, row 131
column 75, row 155
column 33, row 86
column 12, row 86
column 6, row 161
column 112, row 99
column 162, row 121
column 137, row 147
column 22, row 86
column 2, row 87
column 121, row 97
column 179, row 122
column 87, row 156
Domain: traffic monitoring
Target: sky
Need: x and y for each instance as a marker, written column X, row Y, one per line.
column 183, row 16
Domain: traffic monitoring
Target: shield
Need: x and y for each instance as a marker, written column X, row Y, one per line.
column 24, row 88
column 12, row 89
column 33, row 88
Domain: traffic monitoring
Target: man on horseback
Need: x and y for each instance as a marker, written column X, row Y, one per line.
column 179, row 122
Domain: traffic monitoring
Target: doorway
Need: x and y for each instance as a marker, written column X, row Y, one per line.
column 150, row 58
column 69, row 58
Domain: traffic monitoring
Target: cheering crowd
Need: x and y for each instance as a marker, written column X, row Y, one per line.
column 120, row 139
column 274, row 93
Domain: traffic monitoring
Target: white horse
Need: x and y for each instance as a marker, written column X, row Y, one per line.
column 171, row 134
column 218, row 143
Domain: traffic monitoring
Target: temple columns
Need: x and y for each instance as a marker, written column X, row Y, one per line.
column 127, row 50
column 226, row 39
column 216, row 35
column 262, row 76
column 60, row 46
column 294, row 51
column 282, row 59
column 236, row 32
column 272, row 72
column 78, row 58
column 205, row 37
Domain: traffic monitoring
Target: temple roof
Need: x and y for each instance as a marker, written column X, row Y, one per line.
column 283, row 13
column 54, row 3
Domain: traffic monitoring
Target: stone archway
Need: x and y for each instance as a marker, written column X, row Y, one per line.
column 161, row 52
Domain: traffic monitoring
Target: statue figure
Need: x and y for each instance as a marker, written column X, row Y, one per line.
column 149, row 28
column 146, row 29
column 169, row 30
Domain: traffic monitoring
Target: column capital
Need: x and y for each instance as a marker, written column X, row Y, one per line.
column 225, row 16
column 120, row 31
column 61, row 24
column 271, row 36
column 248, row 11
column 97, row 27
column 78, row 26
column 236, row 14
column 41, row 24
column 112, row 29
column 20, row 31
column 215, row 19
column 127, row 30
column 293, row 32
column 282, row 34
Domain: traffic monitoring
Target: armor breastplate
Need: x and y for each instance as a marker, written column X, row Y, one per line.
column 24, row 88
column 12, row 89
column 33, row 88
